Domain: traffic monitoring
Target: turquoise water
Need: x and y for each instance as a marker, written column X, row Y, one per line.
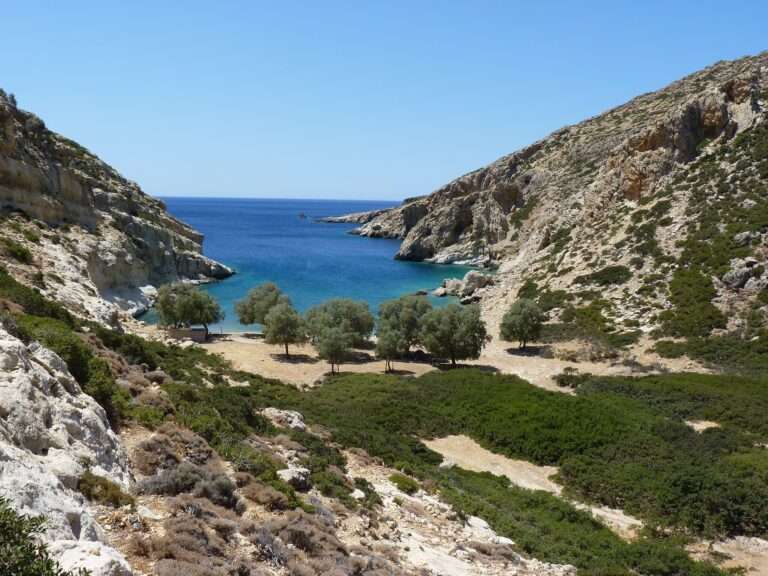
column 266, row 240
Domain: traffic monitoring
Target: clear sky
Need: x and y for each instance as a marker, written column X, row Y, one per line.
column 357, row 99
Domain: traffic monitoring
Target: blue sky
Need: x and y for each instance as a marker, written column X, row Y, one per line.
column 365, row 100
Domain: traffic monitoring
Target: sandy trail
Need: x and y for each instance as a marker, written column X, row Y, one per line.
column 468, row 454
column 303, row 368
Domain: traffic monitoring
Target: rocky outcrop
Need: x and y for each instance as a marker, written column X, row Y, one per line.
column 622, row 154
column 616, row 189
column 50, row 433
column 468, row 288
column 354, row 218
column 126, row 239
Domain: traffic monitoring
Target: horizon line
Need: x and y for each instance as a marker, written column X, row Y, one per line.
column 162, row 197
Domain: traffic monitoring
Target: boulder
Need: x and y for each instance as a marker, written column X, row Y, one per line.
column 741, row 270
column 284, row 418
column 298, row 477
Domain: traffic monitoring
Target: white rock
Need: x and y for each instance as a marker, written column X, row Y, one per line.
column 284, row 418
column 97, row 558
column 48, row 430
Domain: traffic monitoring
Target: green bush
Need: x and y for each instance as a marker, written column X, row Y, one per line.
column 693, row 314
column 21, row 553
column 607, row 276
column 404, row 483
column 103, row 491
column 31, row 300
column 17, row 251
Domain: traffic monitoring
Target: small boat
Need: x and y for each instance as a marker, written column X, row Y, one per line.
column 302, row 216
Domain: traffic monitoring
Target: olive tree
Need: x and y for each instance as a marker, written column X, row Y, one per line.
column 253, row 309
column 333, row 345
column 454, row 332
column 183, row 305
column 352, row 318
column 390, row 344
column 283, row 325
column 522, row 322
column 404, row 316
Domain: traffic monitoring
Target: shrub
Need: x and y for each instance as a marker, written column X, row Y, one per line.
column 607, row 276
column 570, row 378
column 154, row 454
column 21, row 552
column 189, row 478
column 17, row 251
column 522, row 322
column 103, row 491
column 404, row 483
column 691, row 293
column 32, row 301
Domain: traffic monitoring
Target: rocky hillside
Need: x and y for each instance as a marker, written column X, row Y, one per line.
column 625, row 202
column 96, row 235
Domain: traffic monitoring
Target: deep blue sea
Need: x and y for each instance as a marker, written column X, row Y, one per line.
column 266, row 240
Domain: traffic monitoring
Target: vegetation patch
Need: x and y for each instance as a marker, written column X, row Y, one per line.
column 21, row 553
column 103, row 491
column 608, row 276
column 16, row 251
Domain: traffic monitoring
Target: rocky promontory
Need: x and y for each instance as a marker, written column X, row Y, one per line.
column 89, row 220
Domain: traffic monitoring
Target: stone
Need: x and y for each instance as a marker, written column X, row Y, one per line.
column 741, row 270
column 99, row 559
column 284, row 418
column 49, row 431
column 298, row 477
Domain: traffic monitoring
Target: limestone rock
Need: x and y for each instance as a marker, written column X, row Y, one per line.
column 97, row 558
column 49, row 431
column 108, row 236
column 297, row 476
column 284, row 418
column 742, row 269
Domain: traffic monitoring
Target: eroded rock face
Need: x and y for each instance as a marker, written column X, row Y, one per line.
column 619, row 155
column 49, row 432
column 128, row 238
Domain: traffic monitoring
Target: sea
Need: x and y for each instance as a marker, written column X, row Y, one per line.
column 281, row 241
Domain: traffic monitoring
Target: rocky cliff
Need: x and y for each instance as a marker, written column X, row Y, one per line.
column 99, row 231
column 624, row 188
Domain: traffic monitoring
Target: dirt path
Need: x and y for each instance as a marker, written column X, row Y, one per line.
column 750, row 554
column 466, row 453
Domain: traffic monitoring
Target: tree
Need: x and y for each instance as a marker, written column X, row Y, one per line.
column 182, row 305
column 353, row 318
column 522, row 322
column 253, row 309
column 283, row 325
column 404, row 315
column 390, row 344
column 333, row 345
column 454, row 332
